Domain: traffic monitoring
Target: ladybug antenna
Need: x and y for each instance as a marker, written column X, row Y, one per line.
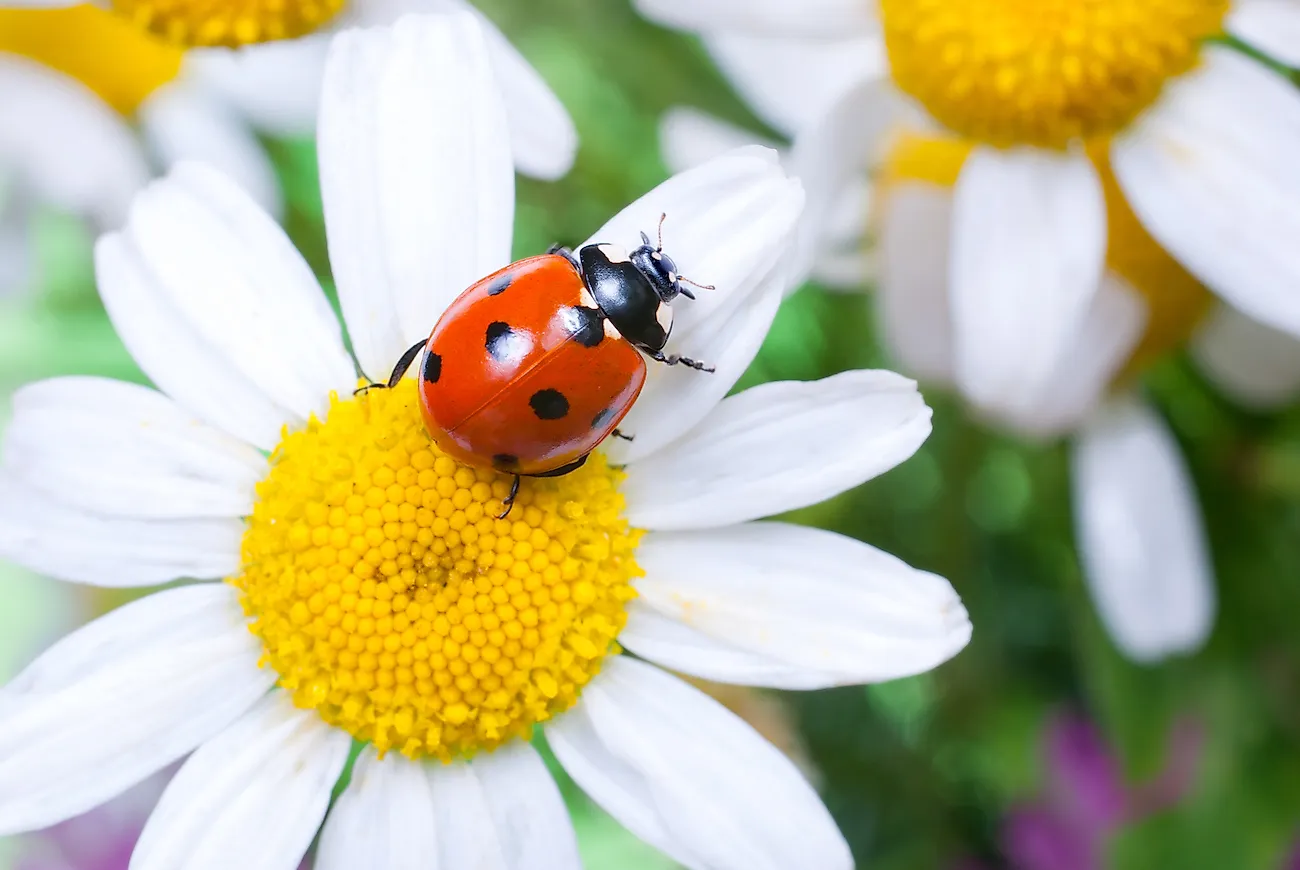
column 663, row 216
column 686, row 280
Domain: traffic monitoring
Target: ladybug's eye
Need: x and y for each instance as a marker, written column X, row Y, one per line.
column 667, row 264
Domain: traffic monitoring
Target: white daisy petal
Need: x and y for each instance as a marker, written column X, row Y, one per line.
column 414, row 216
column 816, row 18
column 790, row 83
column 66, row 143
column 253, row 797
column 1141, row 541
column 384, row 820
column 830, row 157
column 274, row 85
column 542, row 136
column 1256, row 365
column 502, row 811
column 181, row 123
column 219, row 309
column 122, row 698
column 912, row 298
column 50, row 537
column 1211, row 171
column 1104, row 343
column 1028, row 244
column 729, row 224
column 17, row 245
column 165, row 464
column 773, row 604
column 778, row 447
column 689, row 138
column 1272, row 26
column 689, row 777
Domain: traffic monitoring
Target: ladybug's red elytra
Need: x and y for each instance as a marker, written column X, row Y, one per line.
column 535, row 365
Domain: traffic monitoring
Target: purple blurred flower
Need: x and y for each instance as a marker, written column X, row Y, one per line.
column 1086, row 799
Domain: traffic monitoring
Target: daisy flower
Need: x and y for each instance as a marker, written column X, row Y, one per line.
column 1020, row 250
column 92, row 102
column 369, row 592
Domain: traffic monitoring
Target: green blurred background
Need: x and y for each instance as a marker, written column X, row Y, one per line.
column 919, row 773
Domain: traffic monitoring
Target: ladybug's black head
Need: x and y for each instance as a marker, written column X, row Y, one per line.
column 659, row 269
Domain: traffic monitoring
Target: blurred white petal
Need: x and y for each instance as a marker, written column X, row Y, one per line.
column 815, row 18
column 1028, row 245
column 1140, row 536
column 274, row 85
column 182, row 123
column 68, row 146
column 1256, row 365
column 1211, row 172
column 790, row 83
column 689, row 138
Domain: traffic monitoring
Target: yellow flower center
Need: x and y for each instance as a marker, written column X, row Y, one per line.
column 106, row 54
column 230, row 23
column 390, row 599
column 1042, row 72
column 1175, row 300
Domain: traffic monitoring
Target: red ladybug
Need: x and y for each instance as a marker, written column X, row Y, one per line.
column 535, row 365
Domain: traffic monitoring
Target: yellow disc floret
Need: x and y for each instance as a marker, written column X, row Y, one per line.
column 230, row 23
column 1175, row 301
column 390, row 598
column 1042, row 72
column 95, row 47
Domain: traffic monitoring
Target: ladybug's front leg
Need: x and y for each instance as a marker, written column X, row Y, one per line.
column 566, row 254
column 673, row 360
column 399, row 370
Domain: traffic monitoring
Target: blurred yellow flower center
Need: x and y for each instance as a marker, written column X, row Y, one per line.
column 1175, row 301
column 392, row 601
column 230, row 23
column 95, row 47
column 1042, row 72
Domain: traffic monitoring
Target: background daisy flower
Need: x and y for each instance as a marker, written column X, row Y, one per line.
column 991, row 274
column 368, row 581
column 91, row 102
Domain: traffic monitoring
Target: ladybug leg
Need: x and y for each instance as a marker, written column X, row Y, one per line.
column 617, row 434
column 509, row 500
column 673, row 360
column 399, row 370
column 566, row 254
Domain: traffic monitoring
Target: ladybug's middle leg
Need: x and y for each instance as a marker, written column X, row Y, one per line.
column 619, row 434
column 673, row 360
column 509, row 501
column 399, row 370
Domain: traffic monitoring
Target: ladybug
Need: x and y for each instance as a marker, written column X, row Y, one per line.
column 535, row 365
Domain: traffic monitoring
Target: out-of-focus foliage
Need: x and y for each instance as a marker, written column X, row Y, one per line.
column 919, row 773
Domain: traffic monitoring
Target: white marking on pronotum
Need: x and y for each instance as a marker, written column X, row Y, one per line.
column 585, row 297
column 613, row 253
column 611, row 331
column 664, row 314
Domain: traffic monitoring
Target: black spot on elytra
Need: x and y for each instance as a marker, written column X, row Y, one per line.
column 505, row 461
column 601, row 419
column 504, row 343
column 499, row 286
column 584, row 324
column 549, row 404
column 432, row 367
